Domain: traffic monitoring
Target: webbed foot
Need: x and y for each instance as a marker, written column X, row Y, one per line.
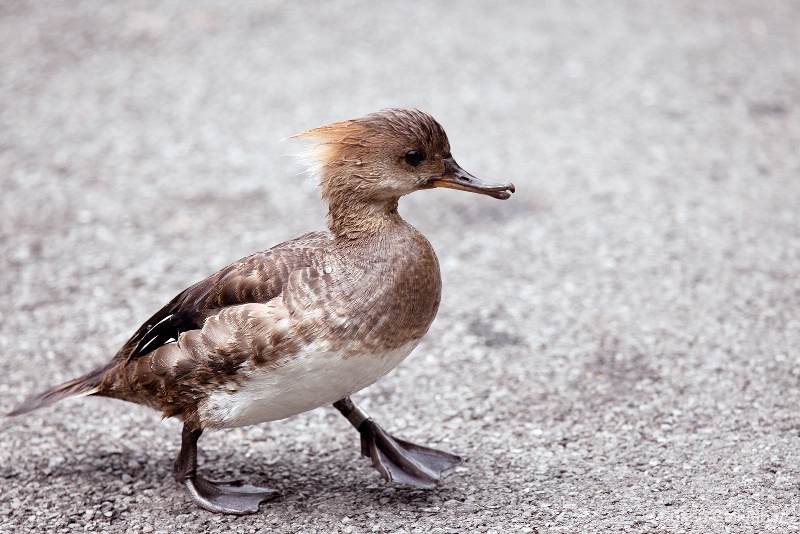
column 395, row 459
column 228, row 497
column 225, row 497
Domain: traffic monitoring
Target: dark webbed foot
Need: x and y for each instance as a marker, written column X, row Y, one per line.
column 228, row 498
column 225, row 497
column 403, row 462
column 395, row 459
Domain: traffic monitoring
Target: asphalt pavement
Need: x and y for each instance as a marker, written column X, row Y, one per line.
column 618, row 345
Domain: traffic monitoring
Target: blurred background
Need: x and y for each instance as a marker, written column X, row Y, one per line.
column 617, row 346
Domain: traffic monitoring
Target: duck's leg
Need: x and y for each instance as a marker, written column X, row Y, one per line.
column 395, row 459
column 225, row 497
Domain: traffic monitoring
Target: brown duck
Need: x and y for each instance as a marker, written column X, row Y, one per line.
column 308, row 322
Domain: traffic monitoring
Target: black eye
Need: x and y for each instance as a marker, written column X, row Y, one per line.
column 414, row 157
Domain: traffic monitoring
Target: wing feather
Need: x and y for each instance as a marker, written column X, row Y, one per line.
column 255, row 279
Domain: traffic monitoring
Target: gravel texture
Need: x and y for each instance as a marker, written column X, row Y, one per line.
column 617, row 346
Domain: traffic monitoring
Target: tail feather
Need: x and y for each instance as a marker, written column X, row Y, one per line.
column 88, row 384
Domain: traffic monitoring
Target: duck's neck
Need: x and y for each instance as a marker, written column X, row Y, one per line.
column 352, row 219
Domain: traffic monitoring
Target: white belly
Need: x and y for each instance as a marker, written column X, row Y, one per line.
column 303, row 382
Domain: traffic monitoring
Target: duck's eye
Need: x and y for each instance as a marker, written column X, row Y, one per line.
column 414, row 157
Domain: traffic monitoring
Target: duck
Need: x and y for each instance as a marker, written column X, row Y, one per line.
column 308, row 322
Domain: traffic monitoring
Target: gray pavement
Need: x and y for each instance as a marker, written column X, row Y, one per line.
column 617, row 346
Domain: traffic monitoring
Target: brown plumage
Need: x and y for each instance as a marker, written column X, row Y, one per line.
column 310, row 321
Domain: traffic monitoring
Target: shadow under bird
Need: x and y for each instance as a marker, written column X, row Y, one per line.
column 308, row 322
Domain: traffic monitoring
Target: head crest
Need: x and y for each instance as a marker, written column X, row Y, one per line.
column 335, row 142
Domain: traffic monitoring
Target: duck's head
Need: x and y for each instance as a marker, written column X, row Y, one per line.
column 388, row 154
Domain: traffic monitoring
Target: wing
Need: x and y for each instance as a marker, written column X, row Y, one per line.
column 175, row 377
column 255, row 279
